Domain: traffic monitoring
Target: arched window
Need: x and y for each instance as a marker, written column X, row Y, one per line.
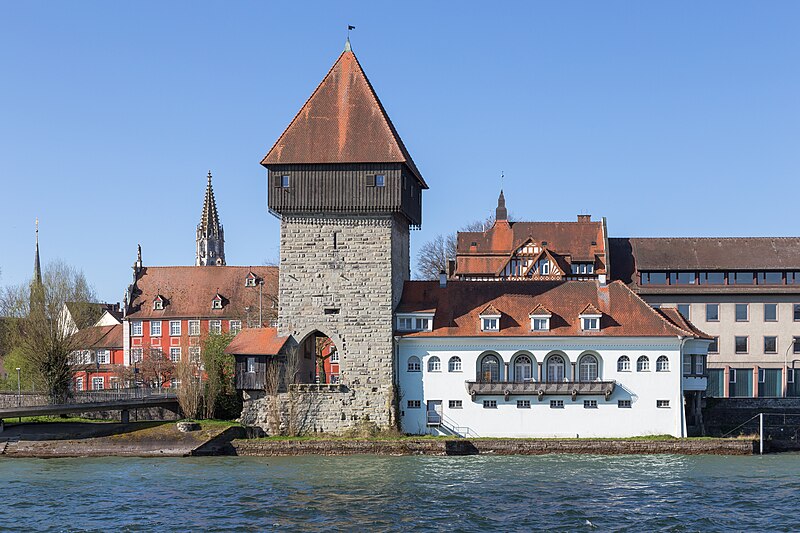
column 414, row 364
column 587, row 369
column 624, row 364
column 490, row 368
column 662, row 364
column 434, row 364
column 555, row 368
column 643, row 364
column 523, row 368
column 454, row 365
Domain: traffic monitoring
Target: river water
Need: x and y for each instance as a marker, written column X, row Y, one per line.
column 368, row 493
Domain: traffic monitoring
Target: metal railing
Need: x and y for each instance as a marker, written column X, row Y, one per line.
column 540, row 388
column 434, row 418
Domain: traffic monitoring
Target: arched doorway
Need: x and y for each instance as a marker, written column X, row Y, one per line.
column 319, row 359
column 489, row 368
column 556, row 368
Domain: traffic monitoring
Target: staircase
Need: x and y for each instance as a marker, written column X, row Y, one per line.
column 449, row 426
column 7, row 445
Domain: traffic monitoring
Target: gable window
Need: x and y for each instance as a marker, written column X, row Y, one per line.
column 643, row 364
column 741, row 344
column 414, row 364
column 742, row 314
column 215, row 326
column 624, row 364
column 770, row 312
column 662, row 364
column 490, row 323
column 158, row 303
column 544, row 268
column 216, row 303
column 454, row 365
column 434, row 364
column 590, row 322
column 136, row 328
column 250, row 280
column 540, row 323
column 712, row 312
column 194, row 328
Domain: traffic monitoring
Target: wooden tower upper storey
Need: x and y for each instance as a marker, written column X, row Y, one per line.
column 342, row 155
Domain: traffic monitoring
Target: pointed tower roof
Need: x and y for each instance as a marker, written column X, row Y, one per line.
column 209, row 220
column 342, row 122
column 501, row 213
column 37, row 265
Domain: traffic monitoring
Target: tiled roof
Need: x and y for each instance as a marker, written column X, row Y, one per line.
column 189, row 290
column 540, row 310
column 459, row 304
column 490, row 310
column 494, row 247
column 673, row 315
column 709, row 253
column 256, row 341
column 342, row 122
column 99, row 337
column 590, row 310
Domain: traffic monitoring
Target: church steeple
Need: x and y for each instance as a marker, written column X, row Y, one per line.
column 501, row 213
column 210, row 235
column 37, row 265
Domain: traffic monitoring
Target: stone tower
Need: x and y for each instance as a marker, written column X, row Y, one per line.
column 210, row 235
column 347, row 192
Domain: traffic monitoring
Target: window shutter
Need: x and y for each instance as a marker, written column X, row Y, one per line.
column 371, row 181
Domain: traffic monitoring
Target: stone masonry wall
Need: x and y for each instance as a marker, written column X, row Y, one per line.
column 343, row 276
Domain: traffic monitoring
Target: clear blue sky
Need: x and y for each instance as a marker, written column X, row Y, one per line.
column 670, row 118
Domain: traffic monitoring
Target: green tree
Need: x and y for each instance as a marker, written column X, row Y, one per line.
column 220, row 398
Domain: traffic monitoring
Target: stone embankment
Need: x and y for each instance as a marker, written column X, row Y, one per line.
column 277, row 447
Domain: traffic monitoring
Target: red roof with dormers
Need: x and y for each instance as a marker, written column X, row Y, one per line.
column 189, row 290
column 460, row 303
column 342, row 122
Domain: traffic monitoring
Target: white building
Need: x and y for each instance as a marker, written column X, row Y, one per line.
column 544, row 359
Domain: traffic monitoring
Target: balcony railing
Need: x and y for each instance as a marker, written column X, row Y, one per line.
column 434, row 418
column 541, row 388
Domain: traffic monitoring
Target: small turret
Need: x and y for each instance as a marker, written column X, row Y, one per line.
column 501, row 213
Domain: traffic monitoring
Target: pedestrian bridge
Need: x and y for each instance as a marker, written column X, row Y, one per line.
column 122, row 400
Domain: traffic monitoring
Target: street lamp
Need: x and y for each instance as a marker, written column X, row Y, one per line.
column 19, row 388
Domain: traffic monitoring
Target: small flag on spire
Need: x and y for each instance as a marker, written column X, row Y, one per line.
column 350, row 27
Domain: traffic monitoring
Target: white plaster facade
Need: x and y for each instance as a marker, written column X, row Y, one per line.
column 644, row 389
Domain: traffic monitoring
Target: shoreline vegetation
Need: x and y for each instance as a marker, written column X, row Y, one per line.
column 78, row 437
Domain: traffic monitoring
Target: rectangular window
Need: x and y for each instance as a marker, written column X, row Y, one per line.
column 732, row 375
column 590, row 404
column 741, row 344
column 699, row 365
column 489, row 324
column 523, row 404
column 380, row 180
column 796, row 313
column 770, row 312
column 136, row 355
column 235, row 326
column 740, row 278
column 194, row 354
column 770, row 344
column 175, row 355
column 556, row 404
column 712, row 278
column 761, row 375
column 540, row 324
column 251, row 365
column 155, row 328
column 413, row 404
column 682, row 278
column 770, row 278
column 405, row 323
column 590, row 324
column 334, row 357
column 194, row 328
column 174, row 328
column 792, row 278
column 285, row 182
column 98, row 383
column 422, row 324
column 490, row 404
column 714, row 346
column 624, row 404
column 662, row 404
column 712, row 312
column 742, row 314
column 796, row 344
column 102, row 357
column 684, row 310
column 454, row 404
column 654, row 278
column 136, row 328
column 215, row 326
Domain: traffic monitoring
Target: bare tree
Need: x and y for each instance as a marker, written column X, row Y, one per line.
column 156, row 368
column 40, row 330
column 434, row 255
column 190, row 392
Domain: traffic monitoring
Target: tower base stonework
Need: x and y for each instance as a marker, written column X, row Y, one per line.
column 341, row 276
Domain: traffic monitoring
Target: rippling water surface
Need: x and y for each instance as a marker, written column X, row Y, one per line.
column 367, row 493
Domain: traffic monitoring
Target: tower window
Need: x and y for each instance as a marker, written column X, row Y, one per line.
column 285, row 182
column 380, row 180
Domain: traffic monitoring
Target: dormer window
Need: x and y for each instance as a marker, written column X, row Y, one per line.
column 216, row 303
column 540, row 323
column 590, row 318
column 415, row 322
column 490, row 323
column 250, row 280
column 158, row 303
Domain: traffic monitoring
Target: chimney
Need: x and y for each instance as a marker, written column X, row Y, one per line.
column 442, row 279
column 584, row 218
column 602, row 279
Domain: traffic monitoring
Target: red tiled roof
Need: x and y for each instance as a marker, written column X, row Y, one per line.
column 459, row 304
column 540, row 310
column 490, row 310
column 590, row 310
column 256, row 341
column 494, row 247
column 342, row 122
column 100, row 337
column 189, row 290
column 673, row 315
